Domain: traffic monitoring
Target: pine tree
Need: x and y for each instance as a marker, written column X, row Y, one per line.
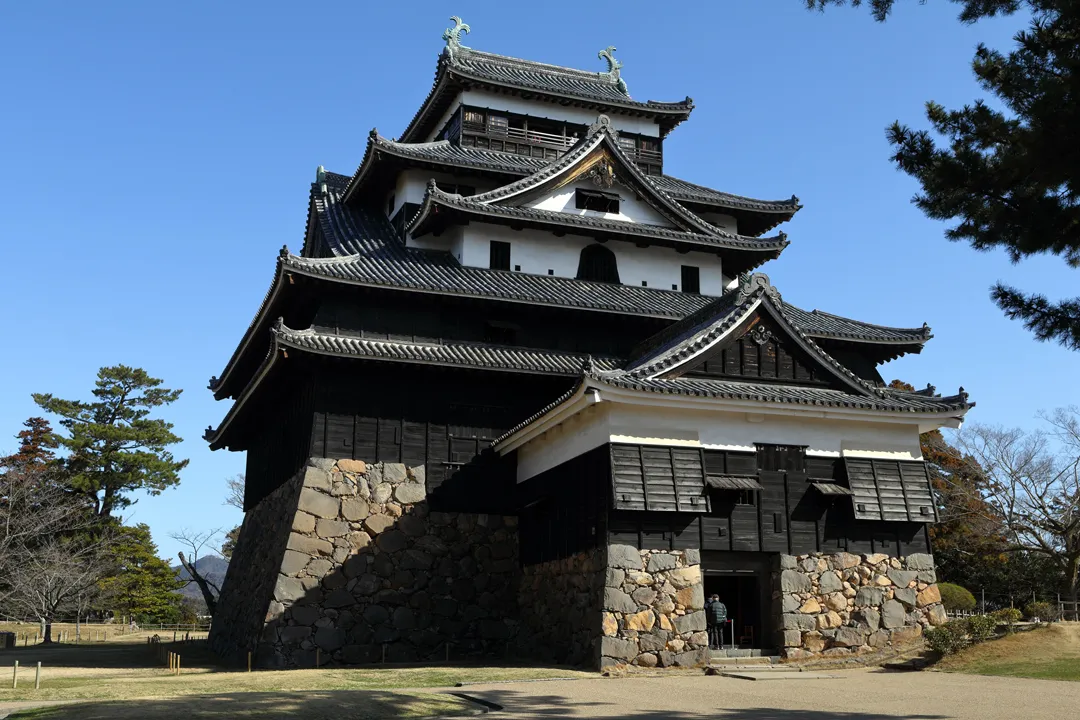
column 140, row 583
column 1008, row 178
column 114, row 446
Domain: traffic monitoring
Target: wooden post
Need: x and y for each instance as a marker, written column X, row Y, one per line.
column 384, row 653
column 37, row 677
column 15, row 676
column 249, row 661
column 316, row 657
column 178, row 664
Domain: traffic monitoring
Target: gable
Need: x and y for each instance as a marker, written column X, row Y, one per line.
column 631, row 208
column 597, row 163
column 760, row 350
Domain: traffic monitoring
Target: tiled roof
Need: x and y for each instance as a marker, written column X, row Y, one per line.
column 551, row 82
column 367, row 252
column 826, row 325
column 787, row 394
column 601, row 136
column 459, row 354
column 684, row 190
column 443, row 152
column 679, row 344
column 770, row 248
column 889, row 401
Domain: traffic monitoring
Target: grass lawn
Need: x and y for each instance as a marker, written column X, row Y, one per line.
column 126, row 681
column 1049, row 653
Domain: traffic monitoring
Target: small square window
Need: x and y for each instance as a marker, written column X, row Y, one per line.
column 674, row 286
column 500, row 255
column 517, row 268
column 746, row 497
column 691, row 279
column 550, row 271
column 644, row 283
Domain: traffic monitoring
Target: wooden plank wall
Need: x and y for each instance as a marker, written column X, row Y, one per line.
column 564, row 509
column 776, row 358
column 280, row 447
column 664, row 479
column 789, row 516
column 387, row 315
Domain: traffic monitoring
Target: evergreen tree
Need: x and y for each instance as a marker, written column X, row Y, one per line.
column 114, row 446
column 140, row 584
column 1009, row 178
column 229, row 544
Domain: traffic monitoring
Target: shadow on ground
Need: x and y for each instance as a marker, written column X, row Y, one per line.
column 553, row 707
column 378, row 705
column 108, row 656
column 310, row 705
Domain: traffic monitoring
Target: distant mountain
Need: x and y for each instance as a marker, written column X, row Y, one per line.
column 211, row 567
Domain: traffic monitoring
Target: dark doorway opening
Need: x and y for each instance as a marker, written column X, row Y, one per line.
column 741, row 593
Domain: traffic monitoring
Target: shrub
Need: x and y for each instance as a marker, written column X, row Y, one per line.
column 981, row 628
column 948, row 638
column 956, row 598
column 1009, row 616
column 1044, row 611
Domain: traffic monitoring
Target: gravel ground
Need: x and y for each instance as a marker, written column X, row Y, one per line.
column 856, row 695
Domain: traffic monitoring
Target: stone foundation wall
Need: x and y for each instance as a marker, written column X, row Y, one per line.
column 835, row 605
column 560, row 609
column 253, row 572
column 652, row 603
column 367, row 571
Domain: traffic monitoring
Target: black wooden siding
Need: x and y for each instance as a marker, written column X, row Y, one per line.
column 380, row 412
column 667, row 479
column 787, row 515
column 373, row 314
column 761, row 353
column 278, row 450
column 891, row 490
column 564, row 510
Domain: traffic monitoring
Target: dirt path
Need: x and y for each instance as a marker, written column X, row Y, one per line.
column 857, row 695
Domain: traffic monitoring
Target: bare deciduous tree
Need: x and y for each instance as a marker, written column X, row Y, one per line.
column 197, row 541
column 56, row 577
column 235, row 496
column 1033, row 484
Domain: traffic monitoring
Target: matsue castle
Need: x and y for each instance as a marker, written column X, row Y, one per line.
column 524, row 393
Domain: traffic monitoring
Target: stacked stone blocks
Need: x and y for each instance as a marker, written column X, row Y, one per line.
column 836, row 605
column 653, row 604
column 369, row 573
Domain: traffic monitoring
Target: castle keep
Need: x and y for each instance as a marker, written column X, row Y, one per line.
column 523, row 393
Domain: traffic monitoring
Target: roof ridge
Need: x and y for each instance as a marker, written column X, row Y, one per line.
column 789, row 203
column 598, row 76
column 925, row 329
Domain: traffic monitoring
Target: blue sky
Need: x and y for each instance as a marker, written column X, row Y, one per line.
column 154, row 158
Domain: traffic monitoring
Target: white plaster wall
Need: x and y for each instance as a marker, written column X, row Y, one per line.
column 507, row 103
column 582, row 433
column 412, row 184
column 724, row 222
column 721, row 430
column 537, row 251
column 631, row 209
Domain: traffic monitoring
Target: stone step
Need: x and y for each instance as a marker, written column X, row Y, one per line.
column 742, row 653
column 744, row 662
column 719, row 668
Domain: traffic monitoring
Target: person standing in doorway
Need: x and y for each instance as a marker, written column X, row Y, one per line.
column 715, row 617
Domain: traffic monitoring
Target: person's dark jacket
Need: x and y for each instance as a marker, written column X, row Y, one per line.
column 715, row 612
